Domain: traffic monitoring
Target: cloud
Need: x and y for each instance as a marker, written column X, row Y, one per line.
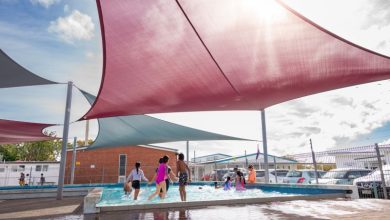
column 377, row 14
column 44, row 3
column 76, row 26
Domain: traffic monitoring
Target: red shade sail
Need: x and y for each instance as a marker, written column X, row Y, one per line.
column 201, row 55
column 16, row 132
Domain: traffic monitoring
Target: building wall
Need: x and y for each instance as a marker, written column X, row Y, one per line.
column 102, row 165
column 10, row 172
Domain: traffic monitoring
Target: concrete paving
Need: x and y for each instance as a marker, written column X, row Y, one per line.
column 70, row 209
column 40, row 208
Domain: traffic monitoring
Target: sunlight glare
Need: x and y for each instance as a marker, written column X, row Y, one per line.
column 268, row 10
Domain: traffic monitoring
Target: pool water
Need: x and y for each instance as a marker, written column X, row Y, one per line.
column 115, row 196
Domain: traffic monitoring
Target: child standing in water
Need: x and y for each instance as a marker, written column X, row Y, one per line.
column 228, row 184
column 135, row 177
column 184, row 176
column 240, row 181
column 160, row 179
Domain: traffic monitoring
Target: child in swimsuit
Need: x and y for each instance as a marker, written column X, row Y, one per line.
column 184, row 176
column 135, row 177
column 228, row 184
column 160, row 179
column 240, row 181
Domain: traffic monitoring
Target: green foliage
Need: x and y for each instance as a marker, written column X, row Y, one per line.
column 32, row 151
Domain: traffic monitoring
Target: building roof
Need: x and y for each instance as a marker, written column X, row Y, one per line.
column 210, row 155
column 329, row 155
column 252, row 159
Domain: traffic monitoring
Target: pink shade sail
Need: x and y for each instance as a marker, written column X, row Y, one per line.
column 201, row 55
column 17, row 132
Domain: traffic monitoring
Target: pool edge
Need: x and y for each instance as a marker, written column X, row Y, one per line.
column 194, row 204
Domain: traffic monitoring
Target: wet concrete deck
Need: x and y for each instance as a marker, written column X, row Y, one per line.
column 70, row 209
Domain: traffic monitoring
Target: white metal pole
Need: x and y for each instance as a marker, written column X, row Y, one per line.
column 86, row 132
column 73, row 161
column 188, row 151
column 265, row 148
column 276, row 172
column 314, row 161
column 64, row 141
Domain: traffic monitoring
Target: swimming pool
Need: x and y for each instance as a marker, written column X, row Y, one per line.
column 115, row 196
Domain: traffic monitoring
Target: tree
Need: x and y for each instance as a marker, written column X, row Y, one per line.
column 81, row 142
column 8, row 152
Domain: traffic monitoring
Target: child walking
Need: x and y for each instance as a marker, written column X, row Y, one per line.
column 160, row 179
column 135, row 177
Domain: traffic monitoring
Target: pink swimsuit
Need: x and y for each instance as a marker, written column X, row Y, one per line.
column 161, row 173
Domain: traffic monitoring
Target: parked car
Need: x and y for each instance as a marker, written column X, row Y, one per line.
column 344, row 176
column 280, row 174
column 215, row 175
column 302, row 176
column 232, row 174
column 371, row 185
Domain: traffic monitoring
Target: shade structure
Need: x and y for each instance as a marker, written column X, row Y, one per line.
column 17, row 132
column 143, row 129
column 201, row 55
column 14, row 75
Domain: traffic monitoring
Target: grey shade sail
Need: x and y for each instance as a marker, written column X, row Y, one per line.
column 143, row 129
column 14, row 75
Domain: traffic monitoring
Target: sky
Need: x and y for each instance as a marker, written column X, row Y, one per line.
column 60, row 40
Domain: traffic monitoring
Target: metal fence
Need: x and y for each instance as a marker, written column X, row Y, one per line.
column 367, row 167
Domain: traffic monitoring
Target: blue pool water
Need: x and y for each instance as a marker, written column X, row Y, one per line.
column 115, row 196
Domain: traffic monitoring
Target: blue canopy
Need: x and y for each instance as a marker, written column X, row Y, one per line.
column 143, row 129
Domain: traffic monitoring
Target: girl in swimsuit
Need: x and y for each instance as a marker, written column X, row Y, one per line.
column 240, row 181
column 135, row 178
column 228, row 184
column 160, row 179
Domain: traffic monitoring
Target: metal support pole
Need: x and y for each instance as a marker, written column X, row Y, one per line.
column 73, row 161
column 378, row 154
column 314, row 161
column 64, row 141
column 188, row 152
column 265, row 148
column 276, row 173
column 86, row 132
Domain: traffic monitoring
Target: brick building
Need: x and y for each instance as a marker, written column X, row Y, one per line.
column 113, row 164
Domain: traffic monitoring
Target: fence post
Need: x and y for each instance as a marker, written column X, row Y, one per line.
column 276, row 172
column 378, row 154
column 314, row 161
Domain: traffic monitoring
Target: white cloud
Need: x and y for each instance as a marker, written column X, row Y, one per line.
column 76, row 26
column 44, row 3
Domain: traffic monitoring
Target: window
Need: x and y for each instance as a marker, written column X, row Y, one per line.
column 260, row 173
column 21, row 168
column 45, row 168
column 122, row 164
column 14, row 168
column 354, row 174
column 294, row 173
column 2, row 169
column 38, row 168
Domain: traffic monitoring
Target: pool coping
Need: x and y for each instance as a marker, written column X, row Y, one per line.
column 195, row 204
column 311, row 192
